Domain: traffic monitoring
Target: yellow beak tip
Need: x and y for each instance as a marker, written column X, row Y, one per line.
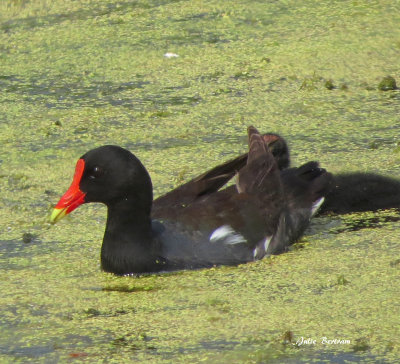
column 57, row 215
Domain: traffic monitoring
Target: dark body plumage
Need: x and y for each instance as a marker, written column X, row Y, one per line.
column 348, row 192
column 197, row 225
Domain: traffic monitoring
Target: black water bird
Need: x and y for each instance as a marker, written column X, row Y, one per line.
column 348, row 192
column 359, row 192
column 217, row 227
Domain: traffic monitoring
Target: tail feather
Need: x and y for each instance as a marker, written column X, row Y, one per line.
column 261, row 174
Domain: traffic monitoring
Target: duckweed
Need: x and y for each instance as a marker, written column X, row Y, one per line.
column 387, row 83
column 76, row 75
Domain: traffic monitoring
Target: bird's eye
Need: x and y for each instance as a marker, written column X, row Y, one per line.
column 96, row 172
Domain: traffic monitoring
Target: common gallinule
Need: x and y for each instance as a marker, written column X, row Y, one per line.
column 217, row 228
column 348, row 192
column 358, row 192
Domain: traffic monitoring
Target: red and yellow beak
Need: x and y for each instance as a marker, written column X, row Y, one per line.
column 72, row 198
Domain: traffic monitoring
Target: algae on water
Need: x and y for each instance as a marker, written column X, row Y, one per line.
column 76, row 75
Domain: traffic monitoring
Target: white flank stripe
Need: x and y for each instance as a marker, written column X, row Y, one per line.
column 316, row 205
column 266, row 242
column 227, row 235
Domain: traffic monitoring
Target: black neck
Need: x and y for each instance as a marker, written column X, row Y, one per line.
column 128, row 244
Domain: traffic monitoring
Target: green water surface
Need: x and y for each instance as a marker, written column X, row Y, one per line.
column 78, row 74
